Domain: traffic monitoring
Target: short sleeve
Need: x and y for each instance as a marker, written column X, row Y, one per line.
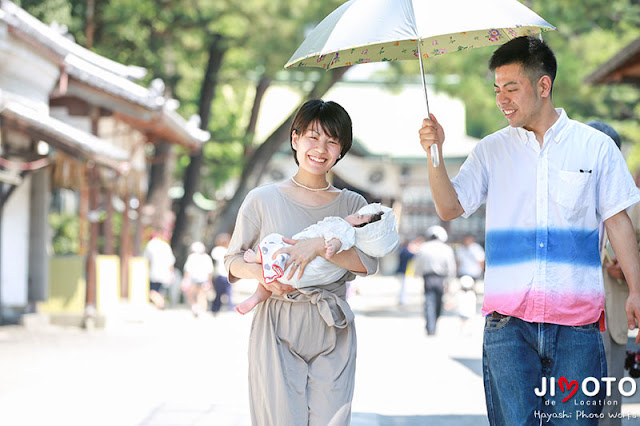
column 616, row 190
column 246, row 233
column 471, row 182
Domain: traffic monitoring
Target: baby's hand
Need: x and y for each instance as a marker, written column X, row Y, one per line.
column 331, row 248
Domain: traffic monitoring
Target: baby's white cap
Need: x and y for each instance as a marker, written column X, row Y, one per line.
column 379, row 238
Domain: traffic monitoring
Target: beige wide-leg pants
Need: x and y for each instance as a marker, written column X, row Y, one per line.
column 302, row 358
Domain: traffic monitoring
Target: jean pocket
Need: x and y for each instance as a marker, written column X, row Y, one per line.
column 493, row 324
column 587, row 328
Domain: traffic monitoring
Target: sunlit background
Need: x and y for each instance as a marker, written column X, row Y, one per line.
column 121, row 118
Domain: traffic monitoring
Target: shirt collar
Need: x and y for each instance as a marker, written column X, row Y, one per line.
column 554, row 132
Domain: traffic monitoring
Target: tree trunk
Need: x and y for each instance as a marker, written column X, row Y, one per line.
column 261, row 89
column 217, row 49
column 90, row 25
column 160, row 179
column 258, row 161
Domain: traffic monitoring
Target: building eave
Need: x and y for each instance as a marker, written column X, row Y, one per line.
column 111, row 81
column 62, row 136
column 624, row 67
column 159, row 121
column 25, row 25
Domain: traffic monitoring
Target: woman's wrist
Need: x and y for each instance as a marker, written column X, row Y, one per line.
column 256, row 271
column 243, row 270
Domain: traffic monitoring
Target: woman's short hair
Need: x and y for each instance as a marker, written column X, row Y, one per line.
column 535, row 56
column 333, row 119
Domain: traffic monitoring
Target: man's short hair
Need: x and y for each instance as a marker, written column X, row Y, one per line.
column 535, row 56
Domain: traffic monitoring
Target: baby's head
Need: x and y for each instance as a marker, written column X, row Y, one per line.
column 358, row 220
column 379, row 237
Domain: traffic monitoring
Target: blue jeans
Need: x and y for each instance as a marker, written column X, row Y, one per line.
column 433, row 291
column 517, row 355
column 222, row 287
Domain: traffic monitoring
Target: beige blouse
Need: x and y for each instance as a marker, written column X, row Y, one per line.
column 267, row 209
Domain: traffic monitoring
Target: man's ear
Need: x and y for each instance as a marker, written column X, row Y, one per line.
column 544, row 86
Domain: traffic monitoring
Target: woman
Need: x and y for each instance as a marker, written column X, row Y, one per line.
column 302, row 346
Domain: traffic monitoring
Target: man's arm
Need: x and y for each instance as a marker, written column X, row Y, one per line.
column 622, row 237
column 444, row 195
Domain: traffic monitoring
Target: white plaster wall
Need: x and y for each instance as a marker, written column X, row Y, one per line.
column 15, row 247
column 24, row 72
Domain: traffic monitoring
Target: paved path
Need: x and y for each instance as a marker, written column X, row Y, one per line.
column 167, row 368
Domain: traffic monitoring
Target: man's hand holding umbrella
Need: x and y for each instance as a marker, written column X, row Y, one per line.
column 432, row 133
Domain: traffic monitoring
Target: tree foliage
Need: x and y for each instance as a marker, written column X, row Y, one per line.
column 589, row 33
column 171, row 38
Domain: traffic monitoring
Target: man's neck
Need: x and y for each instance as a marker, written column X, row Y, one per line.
column 546, row 119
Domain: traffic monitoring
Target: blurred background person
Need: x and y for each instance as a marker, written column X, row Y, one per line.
column 470, row 258
column 435, row 262
column 467, row 302
column 196, row 279
column 616, row 292
column 161, row 263
column 404, row 256
column 221, row 277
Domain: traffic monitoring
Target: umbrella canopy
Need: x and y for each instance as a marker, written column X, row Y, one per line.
column 362, row 31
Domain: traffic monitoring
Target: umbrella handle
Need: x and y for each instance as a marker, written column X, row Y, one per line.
column 435, row 155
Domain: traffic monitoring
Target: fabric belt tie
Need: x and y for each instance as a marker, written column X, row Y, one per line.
column 334, row 310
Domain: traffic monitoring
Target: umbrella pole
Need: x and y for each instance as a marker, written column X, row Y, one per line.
column 435, row 156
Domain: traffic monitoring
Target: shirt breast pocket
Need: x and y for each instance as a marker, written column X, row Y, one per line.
column 572, row 190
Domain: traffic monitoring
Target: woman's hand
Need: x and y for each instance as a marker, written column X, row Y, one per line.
column 241, row 269
column 614, row 270
column 277, row 287
column 300, row 254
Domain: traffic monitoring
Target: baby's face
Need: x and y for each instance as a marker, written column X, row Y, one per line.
column 358, row 219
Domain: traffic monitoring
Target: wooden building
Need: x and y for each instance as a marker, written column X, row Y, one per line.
column 72, row 120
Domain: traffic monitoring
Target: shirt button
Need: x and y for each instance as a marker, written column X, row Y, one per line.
column 541, row 245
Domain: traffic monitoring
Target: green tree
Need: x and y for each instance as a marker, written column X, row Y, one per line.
column 180, row 42
column 588, row 33
column 212, row 56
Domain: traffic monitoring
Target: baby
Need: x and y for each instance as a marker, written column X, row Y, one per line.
column 372, row 229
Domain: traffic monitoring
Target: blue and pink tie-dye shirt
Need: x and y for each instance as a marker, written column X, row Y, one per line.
column 543, row 207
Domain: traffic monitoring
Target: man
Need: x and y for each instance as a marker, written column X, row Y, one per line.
column 220, row 281
column 616, row 293
column 434, row 262
column 161, row 262
column 405, row 254
column 470, row 258
column 197, row 279
column 547, row 182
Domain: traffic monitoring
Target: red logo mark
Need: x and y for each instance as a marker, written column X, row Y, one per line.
column 571, row 386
